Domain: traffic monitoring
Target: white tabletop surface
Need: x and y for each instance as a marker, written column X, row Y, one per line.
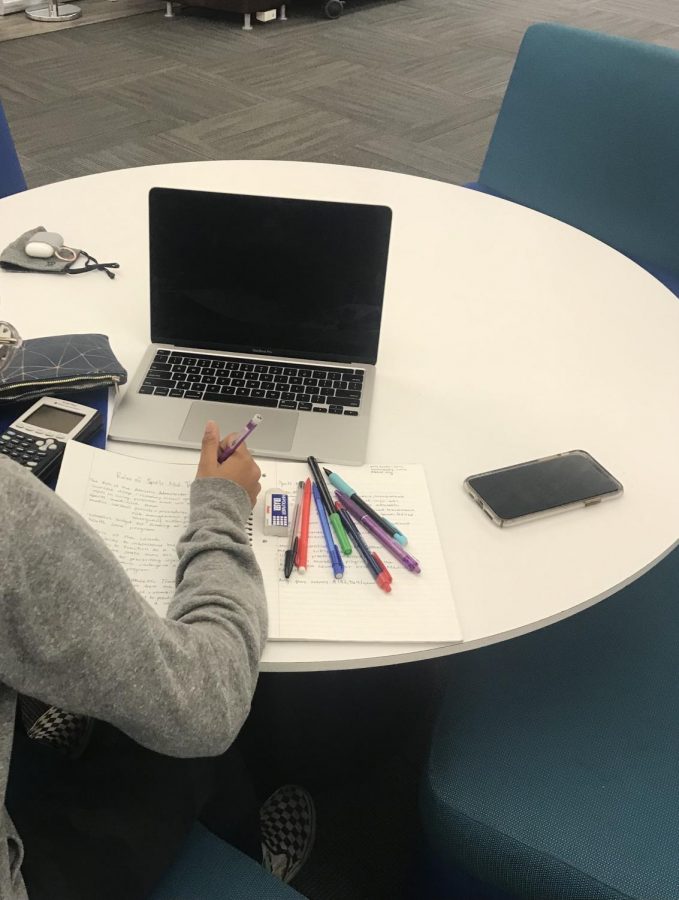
column 506, row 336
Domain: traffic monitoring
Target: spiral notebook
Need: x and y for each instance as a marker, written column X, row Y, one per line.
column 140, row 508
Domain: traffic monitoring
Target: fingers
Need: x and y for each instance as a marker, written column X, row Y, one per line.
column 210, row 441
column 240, row 467
column 228, row 440
column 209, row 450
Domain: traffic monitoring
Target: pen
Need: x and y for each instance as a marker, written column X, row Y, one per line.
column 303, row 544
column 392, row 545
column 348, row 491
column 333, row 516
column 291, row 552
column 226, row 452
column 333, row 552
column 378, row 572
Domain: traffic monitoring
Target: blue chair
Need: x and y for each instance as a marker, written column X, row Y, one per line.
column 553, row 772
column 209, row 869
column 12, row 179
column 588, row 132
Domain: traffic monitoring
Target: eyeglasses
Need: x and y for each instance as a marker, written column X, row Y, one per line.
column 10, row 341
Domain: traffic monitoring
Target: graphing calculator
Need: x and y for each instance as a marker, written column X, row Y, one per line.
column 37, row 439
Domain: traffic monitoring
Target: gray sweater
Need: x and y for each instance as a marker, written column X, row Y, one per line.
column 76, row 634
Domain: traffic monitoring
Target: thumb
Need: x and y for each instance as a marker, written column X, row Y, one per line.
column 210, row 444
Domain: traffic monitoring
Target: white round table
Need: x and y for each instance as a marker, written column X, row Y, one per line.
column 506, row 336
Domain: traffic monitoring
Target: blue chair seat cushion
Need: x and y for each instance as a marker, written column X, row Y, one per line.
column 207, row 868
column 554, row 763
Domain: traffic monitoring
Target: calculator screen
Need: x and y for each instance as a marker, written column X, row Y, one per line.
column 55, row 419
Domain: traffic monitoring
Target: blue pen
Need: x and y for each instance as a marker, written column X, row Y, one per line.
column 333, row 551
column 346, row 489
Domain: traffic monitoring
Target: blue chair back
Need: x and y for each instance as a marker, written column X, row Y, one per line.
column 12, row 179
column 588, row 133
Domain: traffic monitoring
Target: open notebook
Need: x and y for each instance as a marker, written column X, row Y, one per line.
column 140, row 508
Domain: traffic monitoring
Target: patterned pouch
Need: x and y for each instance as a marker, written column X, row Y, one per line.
column 64, row 362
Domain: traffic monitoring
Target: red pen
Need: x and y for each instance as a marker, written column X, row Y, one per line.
column 303, row 545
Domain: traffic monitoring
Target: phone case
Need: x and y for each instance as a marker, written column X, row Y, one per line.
column 504, row 523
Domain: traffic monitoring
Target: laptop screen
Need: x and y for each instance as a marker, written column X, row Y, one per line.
column 267, row 275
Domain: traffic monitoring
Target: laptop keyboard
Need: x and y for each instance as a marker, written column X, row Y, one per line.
column 322, row 389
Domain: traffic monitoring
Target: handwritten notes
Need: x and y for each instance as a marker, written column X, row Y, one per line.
column 136, row 511
column 140, row 509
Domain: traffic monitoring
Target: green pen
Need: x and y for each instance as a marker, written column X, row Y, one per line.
column 338, row 528
column 333, row 515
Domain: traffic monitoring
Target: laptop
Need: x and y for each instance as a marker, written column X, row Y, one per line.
column 266, row 305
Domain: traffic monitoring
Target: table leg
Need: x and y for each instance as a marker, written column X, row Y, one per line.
column 247, row 22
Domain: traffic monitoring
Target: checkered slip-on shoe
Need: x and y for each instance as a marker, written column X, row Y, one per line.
column 288, row 824
column 66, row 732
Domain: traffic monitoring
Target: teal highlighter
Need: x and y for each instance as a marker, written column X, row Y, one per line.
column 341, row 485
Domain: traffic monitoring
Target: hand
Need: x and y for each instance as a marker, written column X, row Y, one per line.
column 240, row 467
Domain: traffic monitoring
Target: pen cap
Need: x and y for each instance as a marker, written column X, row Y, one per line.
column 338, row 482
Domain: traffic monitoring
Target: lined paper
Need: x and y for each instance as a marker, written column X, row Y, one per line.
column 316, row 606
column 140, row 508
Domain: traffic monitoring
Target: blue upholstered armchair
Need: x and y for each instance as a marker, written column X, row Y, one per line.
column 554, row 767
column 588, row 132
column 11, row 177
column 553, row 772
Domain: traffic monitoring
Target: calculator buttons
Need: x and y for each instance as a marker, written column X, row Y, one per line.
column 45, row 445
column 28, row 451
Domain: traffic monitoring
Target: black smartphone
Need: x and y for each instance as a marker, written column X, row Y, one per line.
column 541, row 487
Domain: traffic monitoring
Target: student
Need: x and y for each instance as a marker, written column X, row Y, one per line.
column 75, row 634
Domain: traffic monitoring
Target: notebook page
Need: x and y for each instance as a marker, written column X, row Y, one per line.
column 140, row 509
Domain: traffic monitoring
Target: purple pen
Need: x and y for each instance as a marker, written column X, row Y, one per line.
column 237, row 441
column 392, row 546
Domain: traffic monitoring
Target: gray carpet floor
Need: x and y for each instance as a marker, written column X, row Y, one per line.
column 408, row 85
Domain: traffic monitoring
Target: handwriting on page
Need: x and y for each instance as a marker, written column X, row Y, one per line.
column 140, row 509
column 140, row 518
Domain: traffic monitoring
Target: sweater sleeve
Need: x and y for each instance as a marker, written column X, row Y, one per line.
column 75, row 633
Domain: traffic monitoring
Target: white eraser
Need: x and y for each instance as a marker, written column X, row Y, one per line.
column 276, row 512
column 268, row 15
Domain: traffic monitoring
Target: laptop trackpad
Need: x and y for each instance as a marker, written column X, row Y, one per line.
column 276, row 431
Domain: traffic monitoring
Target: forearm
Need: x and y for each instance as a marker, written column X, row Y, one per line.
column 75, row 633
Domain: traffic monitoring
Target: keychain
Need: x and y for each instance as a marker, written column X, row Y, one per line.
column 49, row 243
